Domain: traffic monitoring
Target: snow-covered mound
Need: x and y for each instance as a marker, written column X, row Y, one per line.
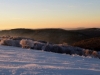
column 17, row 61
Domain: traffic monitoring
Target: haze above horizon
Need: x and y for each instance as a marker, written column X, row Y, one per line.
column 49, row 14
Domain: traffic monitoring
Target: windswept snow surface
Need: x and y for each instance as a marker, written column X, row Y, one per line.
column 18, row 61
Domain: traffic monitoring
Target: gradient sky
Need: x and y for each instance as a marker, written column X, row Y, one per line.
column 49, row 13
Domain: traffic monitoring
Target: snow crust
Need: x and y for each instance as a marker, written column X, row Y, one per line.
column 18, row 61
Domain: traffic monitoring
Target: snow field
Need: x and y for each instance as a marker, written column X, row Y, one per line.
column 18, row 61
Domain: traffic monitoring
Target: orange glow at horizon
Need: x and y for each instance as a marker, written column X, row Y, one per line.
column 45, row 24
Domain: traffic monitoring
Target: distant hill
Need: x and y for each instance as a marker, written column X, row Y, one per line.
column 54, row 35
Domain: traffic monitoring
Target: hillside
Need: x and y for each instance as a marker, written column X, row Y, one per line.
column 54, row 35
column 92, row 43
column 18, row 61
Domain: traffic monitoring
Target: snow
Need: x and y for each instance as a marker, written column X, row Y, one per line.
column 18, row 61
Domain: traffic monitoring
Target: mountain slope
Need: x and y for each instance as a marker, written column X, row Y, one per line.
column 92, row 43
column 54, row 35
column 17, row 61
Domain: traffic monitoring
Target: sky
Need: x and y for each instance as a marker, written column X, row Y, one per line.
column 49, row 14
